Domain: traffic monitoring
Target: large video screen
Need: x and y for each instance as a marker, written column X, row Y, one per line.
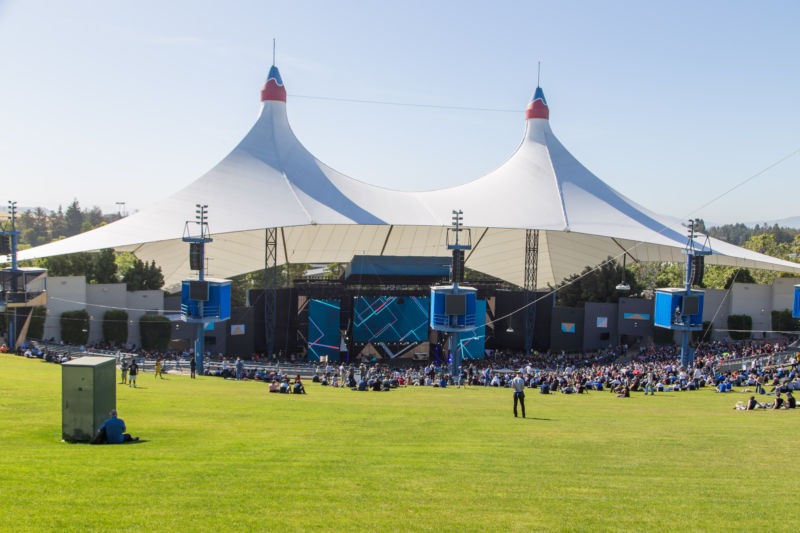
column 471, row 344
column 391, row 318
column 323, row 329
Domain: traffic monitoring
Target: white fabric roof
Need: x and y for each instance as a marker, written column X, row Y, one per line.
column 271, row 180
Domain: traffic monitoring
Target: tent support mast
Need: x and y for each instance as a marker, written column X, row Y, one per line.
column 529, row 288
column 270, row 287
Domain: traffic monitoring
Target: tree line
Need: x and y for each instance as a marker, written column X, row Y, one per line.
column 39, row 226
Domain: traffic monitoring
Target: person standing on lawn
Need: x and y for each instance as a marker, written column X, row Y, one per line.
column 518, row 384
column 133, row 371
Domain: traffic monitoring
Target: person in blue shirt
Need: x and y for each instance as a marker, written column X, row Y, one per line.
column 114, row 430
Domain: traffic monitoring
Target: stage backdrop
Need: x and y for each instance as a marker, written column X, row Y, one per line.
column 391, row 318
column 471, row 343
column 324, row 338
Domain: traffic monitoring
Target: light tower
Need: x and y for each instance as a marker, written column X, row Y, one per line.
column 20, row 288
column 452, row 306
column 203, row 300
column 682, row 309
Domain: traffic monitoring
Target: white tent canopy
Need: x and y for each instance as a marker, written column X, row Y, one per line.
column 270, row 180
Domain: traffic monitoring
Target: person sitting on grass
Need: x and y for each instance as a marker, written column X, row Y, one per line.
column 791, row 403
column 112, row 431
column 626, row 393
column 274, row 387
column 778, row 403
column 298, row 387
column 749, row 406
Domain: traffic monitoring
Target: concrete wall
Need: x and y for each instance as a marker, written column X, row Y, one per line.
column 99, row 299
column 63, row 294
column 140, row 303
column 634, row 326
column 73, row 293
column 562, row 340
column 754, row 300
column 592, row 334
column 716, row 303
column 783, row 293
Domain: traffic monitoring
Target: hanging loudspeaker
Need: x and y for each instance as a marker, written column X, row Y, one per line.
column 458, row 266
column 698, row 267
column 196, row 255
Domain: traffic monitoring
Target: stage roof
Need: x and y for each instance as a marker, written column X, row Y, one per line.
column 271, row 180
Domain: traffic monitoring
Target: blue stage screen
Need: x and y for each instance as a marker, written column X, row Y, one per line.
column 471, row 343
column 391, row 319
column 323, row 329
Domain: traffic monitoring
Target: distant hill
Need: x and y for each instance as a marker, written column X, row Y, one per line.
column 791, row 222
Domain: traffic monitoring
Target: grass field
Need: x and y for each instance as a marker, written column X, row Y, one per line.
column 227, row 456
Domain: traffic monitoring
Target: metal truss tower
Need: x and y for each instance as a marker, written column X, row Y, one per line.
column 529, row 287
column 270, row 288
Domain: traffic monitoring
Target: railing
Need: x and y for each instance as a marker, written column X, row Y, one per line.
column 745, row 363
column 209, row 311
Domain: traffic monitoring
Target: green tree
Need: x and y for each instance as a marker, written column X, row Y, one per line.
column 78, row 264
column 125, row 261
column 733, row 233
column 75, row 327
column 783, row 321
column 738, row 275
column 596, row 284
column 58, row 227
column 741, row 324
column 73, row 219
column 115, row 326
column 94, row 217
column 104, row 268
column 143, row 276
column 155, row 331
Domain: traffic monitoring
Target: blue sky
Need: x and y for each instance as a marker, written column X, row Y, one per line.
column 131, row 101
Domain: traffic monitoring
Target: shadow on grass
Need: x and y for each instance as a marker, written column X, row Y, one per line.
column 78, row 443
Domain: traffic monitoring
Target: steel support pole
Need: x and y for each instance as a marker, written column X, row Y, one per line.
column 455, row 355
column 200, row 341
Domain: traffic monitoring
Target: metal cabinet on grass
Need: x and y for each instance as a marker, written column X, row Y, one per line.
column 88, row 393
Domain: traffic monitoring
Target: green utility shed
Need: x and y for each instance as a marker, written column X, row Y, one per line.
column 88, row 393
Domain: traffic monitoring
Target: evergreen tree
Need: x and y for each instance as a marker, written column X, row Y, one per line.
column 143, row 277
column 73, row 219
column 597, row 285
column 105, row 267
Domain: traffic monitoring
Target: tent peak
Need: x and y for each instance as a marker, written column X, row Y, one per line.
column 538, row 106
column 273, row 88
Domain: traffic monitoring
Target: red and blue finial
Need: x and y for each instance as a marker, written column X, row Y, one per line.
column 538, row 106
column 273, row 88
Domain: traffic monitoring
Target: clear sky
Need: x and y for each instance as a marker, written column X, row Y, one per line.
column 669, row 102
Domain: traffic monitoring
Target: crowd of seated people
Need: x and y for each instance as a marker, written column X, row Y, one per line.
column 33, row 351
column 648, row 369
column 286, row 386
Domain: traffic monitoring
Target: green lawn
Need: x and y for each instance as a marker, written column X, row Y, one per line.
column 224, row 456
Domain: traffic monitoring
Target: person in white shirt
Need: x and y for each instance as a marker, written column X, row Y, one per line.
column 518, row 384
